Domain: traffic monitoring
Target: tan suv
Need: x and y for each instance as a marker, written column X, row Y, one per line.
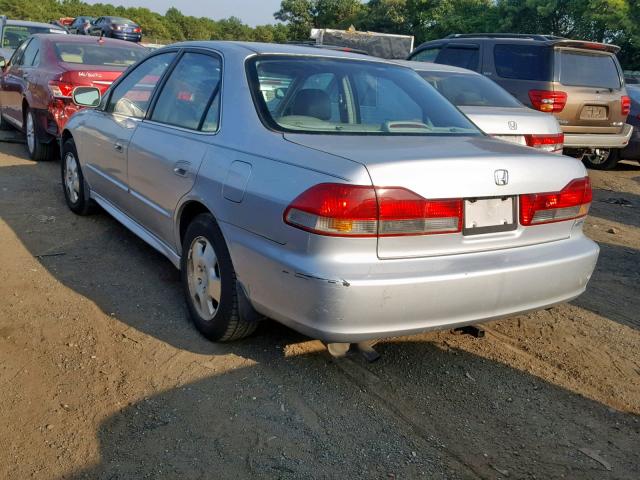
column 580, row 82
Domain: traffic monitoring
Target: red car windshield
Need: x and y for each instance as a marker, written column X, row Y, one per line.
column 98, row 54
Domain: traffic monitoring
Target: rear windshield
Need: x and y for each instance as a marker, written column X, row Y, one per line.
column 465, row 90
column 14, row 35
column 523, row 62
column 585, row 69
column 339, row 96
column 121, row 20
column 96, row 54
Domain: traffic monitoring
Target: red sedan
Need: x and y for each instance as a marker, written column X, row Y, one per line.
column 37, row 83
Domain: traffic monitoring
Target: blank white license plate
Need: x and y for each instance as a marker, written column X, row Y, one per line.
column 518, row 139
column 487, row 215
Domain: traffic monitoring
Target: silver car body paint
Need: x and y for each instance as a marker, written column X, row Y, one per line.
column 337, row 289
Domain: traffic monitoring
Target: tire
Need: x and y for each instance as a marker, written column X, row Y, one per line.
column 38, row 150
column 76, row 190
column 602, row 159
column 207, row 272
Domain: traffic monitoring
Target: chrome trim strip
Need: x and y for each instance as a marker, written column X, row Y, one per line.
column 97, row 171
column 151, row 204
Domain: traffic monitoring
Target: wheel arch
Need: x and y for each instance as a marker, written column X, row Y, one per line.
column 187, row 212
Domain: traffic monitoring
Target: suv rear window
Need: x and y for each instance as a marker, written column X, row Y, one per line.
column 584, row 69
column 523, row 62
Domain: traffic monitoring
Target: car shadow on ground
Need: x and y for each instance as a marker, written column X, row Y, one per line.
column 423, row 410
column 621, row 207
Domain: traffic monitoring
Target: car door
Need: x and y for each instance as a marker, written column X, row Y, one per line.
column 13, row 86
column 107, row 131
column 167, row 149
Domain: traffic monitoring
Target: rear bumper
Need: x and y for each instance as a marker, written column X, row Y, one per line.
column 406, row 296
column 131, row 37
column 599, row 140
column 632, row 151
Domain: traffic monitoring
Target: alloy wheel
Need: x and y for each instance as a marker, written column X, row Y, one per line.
column 203, row 276
column 31, row 133
column 71, row 177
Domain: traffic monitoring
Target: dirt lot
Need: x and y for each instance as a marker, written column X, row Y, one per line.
column 103, row 377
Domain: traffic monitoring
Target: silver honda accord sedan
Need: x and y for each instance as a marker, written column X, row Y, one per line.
column 338, row 194
column 494, row 110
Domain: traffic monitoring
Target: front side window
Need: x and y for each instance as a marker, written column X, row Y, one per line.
column 426, row 55
column 131, row 97
column 98, row 54
column 191, row 90
column 463, row 57
column 339, row 96
column 16, row 58
column 523, row 62
column 583, row 69
column 467, row 90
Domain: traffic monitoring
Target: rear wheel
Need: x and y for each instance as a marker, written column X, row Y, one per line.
column 601, row 158
column 38, row 150
column 209, row 283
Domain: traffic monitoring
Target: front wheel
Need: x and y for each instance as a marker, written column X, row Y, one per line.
column 75, row 190
column 37, row 148
column 601, row 159
column 209, row 283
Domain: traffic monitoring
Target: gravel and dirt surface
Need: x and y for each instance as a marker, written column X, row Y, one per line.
column 103, row 377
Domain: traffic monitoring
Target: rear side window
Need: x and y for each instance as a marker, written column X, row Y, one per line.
column 584, row 69
column 463, row 57
column 523, row 62
column 189, row 92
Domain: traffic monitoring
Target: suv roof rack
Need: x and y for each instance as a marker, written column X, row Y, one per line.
column 542, row 38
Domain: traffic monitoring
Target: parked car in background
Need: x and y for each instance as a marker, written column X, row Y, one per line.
column 494, row 110
column 36, row 85
column 579, row 82
column 81, row 25
column 14, row 32
column 116, row 27
column 632, row 151
column 377, row 209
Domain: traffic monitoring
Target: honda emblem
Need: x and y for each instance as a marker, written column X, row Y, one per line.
column 501, row 177
column 513, row 125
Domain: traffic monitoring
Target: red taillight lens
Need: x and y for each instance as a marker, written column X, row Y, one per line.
column 549, row 143
column 548, row 100
column 573, row 201
column 61, row 89
column 137, row 30
column 625, row 105
column 362, row 211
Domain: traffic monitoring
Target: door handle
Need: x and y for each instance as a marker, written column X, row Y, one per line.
column 117, row 147
column 181, row 168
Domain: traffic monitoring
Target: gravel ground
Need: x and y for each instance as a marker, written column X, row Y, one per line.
column 103, row 377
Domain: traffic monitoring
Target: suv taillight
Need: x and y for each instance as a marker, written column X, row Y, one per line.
column 361, row 211
column 549, row 143
column 573, row 201
column 548, row 100
column 625, row 105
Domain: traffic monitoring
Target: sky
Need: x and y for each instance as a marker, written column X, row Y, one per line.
column 253, row 12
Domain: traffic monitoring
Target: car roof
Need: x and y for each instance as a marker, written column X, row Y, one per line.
column 275, row 49
column 25, row 23
column 84, row 39
column 434, row 67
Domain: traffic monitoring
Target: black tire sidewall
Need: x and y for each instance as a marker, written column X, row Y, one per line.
column 609, row 164
column 41, row 151
column 216, row 329
column 80, row 207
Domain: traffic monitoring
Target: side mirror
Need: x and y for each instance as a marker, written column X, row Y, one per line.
column 86, row 96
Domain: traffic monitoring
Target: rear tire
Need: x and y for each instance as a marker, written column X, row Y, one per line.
column 602, row 159
column 209, row 283
column 76, row 191
column 38, row 150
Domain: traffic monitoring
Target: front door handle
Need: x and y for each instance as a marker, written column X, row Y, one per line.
column 181, row 168
column 117, row 147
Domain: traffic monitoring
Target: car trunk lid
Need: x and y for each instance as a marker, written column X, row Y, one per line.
column 456, row 167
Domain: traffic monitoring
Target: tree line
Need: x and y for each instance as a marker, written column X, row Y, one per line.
column 613, row 21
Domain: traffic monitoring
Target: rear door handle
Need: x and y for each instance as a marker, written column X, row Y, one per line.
column 181, row 168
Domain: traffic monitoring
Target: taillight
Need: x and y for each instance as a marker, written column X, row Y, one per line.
column 363, row 211
column 137, row 30
column 549, row 143
column 625, row 105
column 548, row 100
column 573, row 201
column 61, row 89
